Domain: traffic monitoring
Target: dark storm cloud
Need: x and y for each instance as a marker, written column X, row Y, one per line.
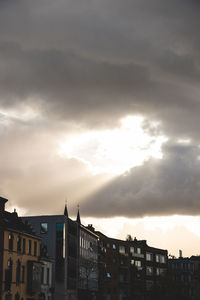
column 159, row 187
column 91, row 63
column 74, row 81
column 86, row 60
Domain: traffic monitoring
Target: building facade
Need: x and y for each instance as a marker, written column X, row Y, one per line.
column 185, row 275
column 46, row 291
column 21, row 269
column 129, row 269
column 59, row 236
column 88, row 263
column 2, row 209
column 74, row 249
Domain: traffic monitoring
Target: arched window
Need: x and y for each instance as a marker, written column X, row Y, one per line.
column 18, row 272
column 19, row 243
column 10, row 241
column 8, row 275
column 10, row 263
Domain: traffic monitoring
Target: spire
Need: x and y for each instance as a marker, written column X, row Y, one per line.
column 66, row 211
column 78, row 219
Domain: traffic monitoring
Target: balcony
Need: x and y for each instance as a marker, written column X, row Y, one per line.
column 137, row 255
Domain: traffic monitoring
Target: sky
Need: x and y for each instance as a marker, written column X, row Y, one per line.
column 99, row 106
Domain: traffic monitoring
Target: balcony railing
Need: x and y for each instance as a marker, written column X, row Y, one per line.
column 137, row 255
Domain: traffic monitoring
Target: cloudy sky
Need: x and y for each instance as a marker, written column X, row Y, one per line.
column 99, row 105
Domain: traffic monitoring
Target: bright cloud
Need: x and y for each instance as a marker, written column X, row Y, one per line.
column 115, row 151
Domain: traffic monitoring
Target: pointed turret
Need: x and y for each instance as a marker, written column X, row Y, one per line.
column 78, row 219
column 66, row 211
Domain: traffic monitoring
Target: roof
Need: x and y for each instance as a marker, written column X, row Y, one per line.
column 11, row 221
column 84, row 228
column 133, row 242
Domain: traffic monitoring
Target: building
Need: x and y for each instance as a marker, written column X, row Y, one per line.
column 88, row 262
column 47, row 291
column 74, row 249
column 59, row 236
column 129, row 269
column 185, row 275
column 20, row 250
column 2, row 209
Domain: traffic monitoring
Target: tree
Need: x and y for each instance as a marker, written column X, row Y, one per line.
column 88, row 278
column 129, row 238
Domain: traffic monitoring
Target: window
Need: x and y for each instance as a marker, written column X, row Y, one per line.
column 9, row 263
column 18, row 272
column 24, row 246
column 35, row 248
column 160, row 271
column 138, row 263
column 10, row 241
column 23, row 273
column 108, row 275
column 149, row 271
column 132, row 250
column 132, row 262
column 43, row 227
column 18, row 243
column 108, row 245
column 8, row 275
column 157, row 271
column 114, row 246
column 42, row 275
column 149, row 256
column 29, row 247
column 121, row 278
column 138, row 250
column 48, row 276
column 157, row 258
column 122, row 249
column 162, row 259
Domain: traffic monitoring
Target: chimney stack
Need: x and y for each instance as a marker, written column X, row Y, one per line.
column 180, row 254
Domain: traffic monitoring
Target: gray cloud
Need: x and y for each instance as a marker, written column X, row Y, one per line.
column 88, row 60
column 159, row 187
column 32, row 174
column 88, row 64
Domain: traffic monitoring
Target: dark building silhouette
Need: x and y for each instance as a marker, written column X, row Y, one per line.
column 185, row 274
column 59, row 235
column 129, row 269
column 74, row 250
column 2, row 209
column 88, row 262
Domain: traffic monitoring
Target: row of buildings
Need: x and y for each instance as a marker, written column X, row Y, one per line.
column 55, row 258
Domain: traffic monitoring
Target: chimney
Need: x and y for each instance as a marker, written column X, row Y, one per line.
column 2, row 209
column 91, row 228
column 180, row 254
